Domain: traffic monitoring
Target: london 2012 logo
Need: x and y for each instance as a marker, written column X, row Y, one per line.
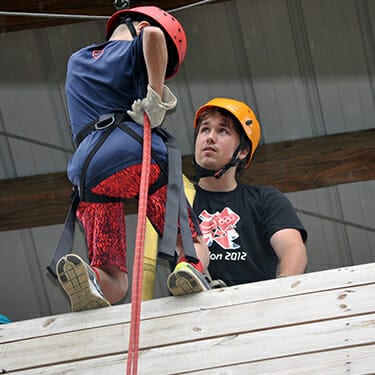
column 220, row 227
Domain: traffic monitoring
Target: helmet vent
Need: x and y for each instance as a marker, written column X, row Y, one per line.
column 249, row 122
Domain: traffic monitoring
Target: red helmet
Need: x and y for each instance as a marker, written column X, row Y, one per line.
column 172, row 28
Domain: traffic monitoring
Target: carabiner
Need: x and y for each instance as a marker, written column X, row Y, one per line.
column 105, row 122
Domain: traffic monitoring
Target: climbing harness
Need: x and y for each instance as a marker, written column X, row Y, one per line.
column 176, row 205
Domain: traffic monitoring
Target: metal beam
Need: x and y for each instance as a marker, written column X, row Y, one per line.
column 40, row 13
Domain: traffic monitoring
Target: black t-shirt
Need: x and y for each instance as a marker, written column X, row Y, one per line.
column 237, row 227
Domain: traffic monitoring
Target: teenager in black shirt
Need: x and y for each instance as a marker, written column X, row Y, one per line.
column 253, row 232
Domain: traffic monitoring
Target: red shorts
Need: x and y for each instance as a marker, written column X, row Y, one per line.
column 104, row 223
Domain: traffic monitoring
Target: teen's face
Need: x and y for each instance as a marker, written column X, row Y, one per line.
column 216, row 141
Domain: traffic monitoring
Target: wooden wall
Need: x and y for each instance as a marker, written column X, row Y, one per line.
column 322, row 322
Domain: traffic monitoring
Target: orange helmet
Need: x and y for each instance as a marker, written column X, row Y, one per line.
column 172, row 28
column 243, row 113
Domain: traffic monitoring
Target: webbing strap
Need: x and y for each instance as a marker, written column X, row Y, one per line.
column 87, row 162
column 176, row 209
column 65, row 242
column 187, row 239
column 102, row 123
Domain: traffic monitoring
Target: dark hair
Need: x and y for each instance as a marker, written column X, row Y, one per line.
column 245, row 143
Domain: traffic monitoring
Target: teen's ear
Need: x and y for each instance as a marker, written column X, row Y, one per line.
column 243, row 153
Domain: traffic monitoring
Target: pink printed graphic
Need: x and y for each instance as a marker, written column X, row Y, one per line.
column 220, row 227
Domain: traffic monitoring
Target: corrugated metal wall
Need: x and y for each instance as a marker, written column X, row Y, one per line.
column 306, row 67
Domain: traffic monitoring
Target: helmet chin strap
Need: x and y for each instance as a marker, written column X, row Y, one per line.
column 131, row 27
column 204, row 172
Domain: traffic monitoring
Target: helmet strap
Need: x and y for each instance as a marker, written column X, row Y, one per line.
column 131, row 27
column 204, row 172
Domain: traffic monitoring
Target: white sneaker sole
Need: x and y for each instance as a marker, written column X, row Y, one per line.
column 184, row 281
column 73, row 275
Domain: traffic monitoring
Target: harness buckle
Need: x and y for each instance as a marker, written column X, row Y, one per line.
column 105, row 121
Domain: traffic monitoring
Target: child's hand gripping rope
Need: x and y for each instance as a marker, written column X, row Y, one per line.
column 154, row 105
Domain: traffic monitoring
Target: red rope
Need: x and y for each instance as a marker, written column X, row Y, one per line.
column 137, row 277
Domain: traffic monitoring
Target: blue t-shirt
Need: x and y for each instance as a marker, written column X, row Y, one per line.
column 237, row 227
column 101, row 79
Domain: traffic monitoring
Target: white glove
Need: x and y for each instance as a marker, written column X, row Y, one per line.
column 154, row 105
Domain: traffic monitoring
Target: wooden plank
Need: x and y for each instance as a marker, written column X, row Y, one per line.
column 228, row 322
column 314, row 163
column 260, row 345
column 27, row 202
column 306, row 284
column 354, row 360
column 289, row 166
column 227, row 351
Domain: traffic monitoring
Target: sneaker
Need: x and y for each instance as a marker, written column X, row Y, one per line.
column 80, row 283
column 186, row 279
